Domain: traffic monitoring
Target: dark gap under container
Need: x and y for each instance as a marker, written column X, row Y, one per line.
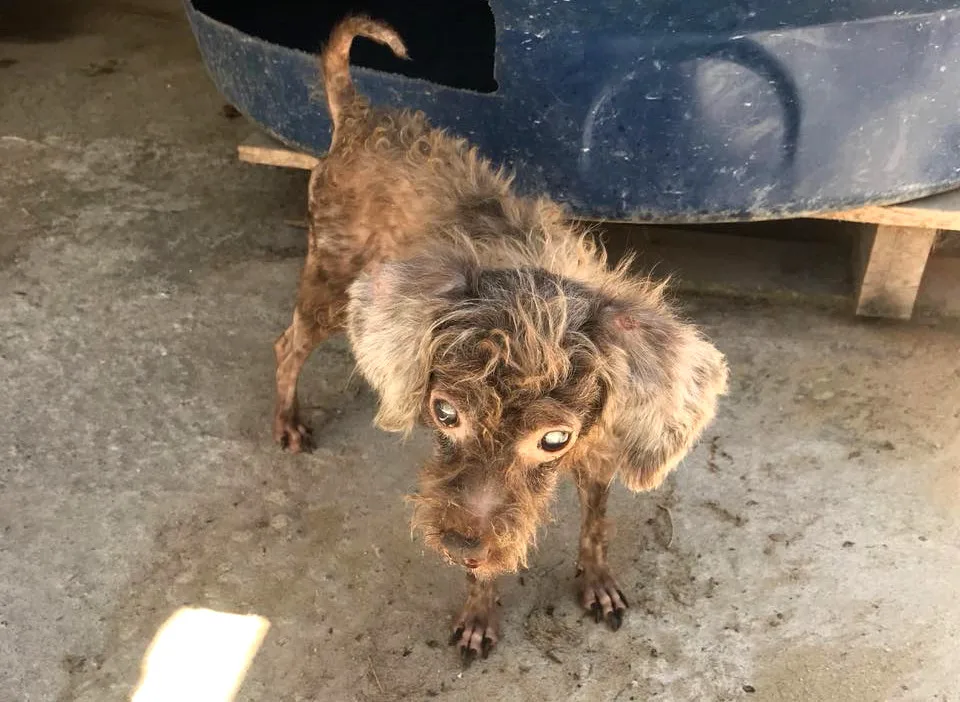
column 451, row 42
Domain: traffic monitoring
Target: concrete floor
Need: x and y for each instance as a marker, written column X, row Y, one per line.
column 808, row 550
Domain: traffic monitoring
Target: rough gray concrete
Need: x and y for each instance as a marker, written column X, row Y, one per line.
column 808, row 550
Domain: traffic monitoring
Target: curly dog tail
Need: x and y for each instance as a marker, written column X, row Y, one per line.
column 335, row 59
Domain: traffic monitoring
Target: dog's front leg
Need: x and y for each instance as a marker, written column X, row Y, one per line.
column 599, row 592
column 477, row 628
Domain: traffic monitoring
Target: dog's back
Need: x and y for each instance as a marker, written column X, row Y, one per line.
column 392, row 184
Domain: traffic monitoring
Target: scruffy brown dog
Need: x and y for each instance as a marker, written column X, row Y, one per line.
column 493, row 320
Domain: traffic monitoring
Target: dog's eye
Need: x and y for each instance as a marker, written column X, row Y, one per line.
column 554, row 441
column 445, row 413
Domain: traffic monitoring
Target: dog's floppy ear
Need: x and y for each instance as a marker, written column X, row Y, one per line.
column 390, row 316
column 663, row 381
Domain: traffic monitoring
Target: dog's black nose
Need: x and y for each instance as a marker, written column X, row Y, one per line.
column 458, row 543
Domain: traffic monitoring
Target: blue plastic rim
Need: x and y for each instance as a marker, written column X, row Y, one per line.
column 661, row 111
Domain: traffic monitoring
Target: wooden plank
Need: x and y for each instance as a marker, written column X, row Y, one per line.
column 889, row 266
column 935, row 212
column 260, row 149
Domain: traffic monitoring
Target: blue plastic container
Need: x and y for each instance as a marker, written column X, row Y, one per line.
column 658, row 111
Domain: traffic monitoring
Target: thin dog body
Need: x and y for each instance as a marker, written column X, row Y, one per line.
column 496, row 322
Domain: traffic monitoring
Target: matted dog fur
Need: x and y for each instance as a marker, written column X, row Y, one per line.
column 496, row 322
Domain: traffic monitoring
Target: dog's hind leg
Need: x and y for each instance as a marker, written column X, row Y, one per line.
column 317, row 315
column 292, row 349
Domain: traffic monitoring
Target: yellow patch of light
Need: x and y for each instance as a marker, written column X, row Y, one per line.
column 199, row 655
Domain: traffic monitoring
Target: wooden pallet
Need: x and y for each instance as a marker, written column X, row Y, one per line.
column 894, row 245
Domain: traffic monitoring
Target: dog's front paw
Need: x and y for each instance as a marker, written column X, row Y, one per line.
column 291, row 433
column 601, row 596
column 475, row 634
column 477, row 629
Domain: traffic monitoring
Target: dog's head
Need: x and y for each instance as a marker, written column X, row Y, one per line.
column 522, row 374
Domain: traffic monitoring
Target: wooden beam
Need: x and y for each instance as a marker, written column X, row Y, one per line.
column 261, row 149
column 889, row 267
column 935, row 212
